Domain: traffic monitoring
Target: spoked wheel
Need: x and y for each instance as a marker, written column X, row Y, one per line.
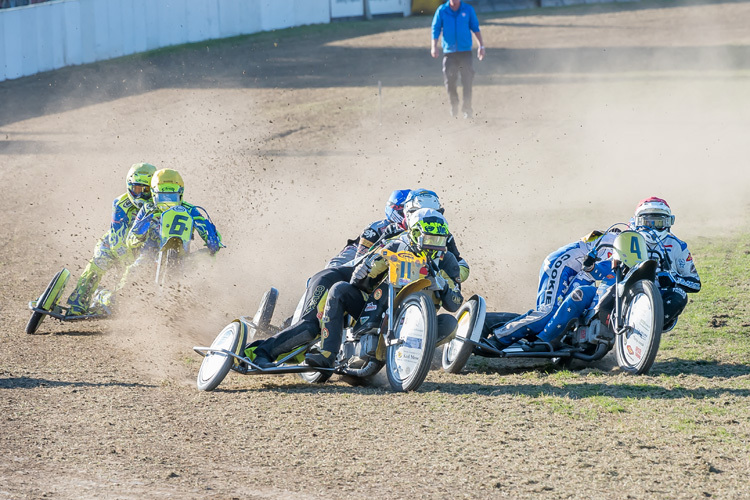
column 644, row 319
column 48, row 300
column 415, row 325
column 216, row 365
column 456, row 353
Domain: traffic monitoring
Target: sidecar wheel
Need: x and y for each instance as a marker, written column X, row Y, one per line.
column 644, row 315
column 315, row 377
column 415, row 324
column 456, row 353
column 34, row 321
column 48, row 300
column 216, row 365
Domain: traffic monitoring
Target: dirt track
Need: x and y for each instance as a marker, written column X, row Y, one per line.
column 580, row 113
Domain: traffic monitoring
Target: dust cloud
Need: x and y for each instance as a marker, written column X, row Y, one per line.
column 578, row 116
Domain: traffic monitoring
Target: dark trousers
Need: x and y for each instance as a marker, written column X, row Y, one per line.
column 675, row 300
column 342, row 299
column 456, row 63
column 308, row 325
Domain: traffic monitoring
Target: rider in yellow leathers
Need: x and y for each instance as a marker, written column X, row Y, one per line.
column 167, row 188
column 111, row 250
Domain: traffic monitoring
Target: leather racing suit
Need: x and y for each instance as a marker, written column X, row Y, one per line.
column 111, row 250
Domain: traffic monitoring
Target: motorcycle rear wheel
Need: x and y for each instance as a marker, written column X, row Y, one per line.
column 216, row 365
column 644, row 314
column 407, row 363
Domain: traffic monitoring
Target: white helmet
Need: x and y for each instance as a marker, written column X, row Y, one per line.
column 422, row 198
column 654, row 213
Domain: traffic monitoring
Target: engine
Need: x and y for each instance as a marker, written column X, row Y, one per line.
column 360, row 351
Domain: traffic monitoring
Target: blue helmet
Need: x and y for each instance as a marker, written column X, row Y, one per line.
column 394, row 209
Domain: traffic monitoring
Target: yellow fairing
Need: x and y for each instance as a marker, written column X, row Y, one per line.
column 630, row 248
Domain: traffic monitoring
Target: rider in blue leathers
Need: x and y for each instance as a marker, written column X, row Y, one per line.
column 566, row 288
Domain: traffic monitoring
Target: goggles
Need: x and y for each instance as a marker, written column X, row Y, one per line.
column 432, row 242
column 140, row 190
column 655, row 221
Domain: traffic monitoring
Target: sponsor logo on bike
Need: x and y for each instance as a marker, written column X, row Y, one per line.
column 378, row 293
column 630, row 350
column 324, row 333
column 371, row 307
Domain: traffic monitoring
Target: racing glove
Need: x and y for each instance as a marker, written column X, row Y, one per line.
column 665, row 279
column 361, row 271
column 589, row 261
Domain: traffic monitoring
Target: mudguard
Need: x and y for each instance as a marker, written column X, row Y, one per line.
column 476, row 325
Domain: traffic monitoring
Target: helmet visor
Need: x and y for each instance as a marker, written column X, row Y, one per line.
column 168, row 199
column 655, row 221
column 433, row 242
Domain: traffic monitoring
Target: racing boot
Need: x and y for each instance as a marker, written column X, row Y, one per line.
column 320, row 359
column 102, row 303
column 79, row 300
column 447, row 324
column 77, row 303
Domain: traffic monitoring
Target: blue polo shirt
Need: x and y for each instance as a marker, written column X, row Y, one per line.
column 456, row 27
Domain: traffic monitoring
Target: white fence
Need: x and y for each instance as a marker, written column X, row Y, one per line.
column 61, row 33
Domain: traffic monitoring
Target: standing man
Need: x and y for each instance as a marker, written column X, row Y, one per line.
column 457, row 21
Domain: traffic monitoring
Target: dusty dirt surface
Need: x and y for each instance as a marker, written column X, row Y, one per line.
column 285, row 140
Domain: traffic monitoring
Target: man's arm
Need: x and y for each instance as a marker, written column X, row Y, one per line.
column 480, row 50
column 437, row 27
column 474, row 26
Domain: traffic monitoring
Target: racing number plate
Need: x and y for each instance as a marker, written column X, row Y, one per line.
column 176, row 222
column 404, row 267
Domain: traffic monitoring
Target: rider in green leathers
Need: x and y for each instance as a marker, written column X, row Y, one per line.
column 111, row 249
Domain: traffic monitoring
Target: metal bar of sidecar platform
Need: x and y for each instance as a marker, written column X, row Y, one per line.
column 271, row 369
column 64, row 317
column 516, row 352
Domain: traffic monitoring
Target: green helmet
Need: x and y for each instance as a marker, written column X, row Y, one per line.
column 428, row 229
column 138, row 183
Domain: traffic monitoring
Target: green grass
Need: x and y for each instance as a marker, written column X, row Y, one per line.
column 714, row 329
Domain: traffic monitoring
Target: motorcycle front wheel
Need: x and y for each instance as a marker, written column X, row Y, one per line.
column 636, row 348
column 415, row 327
column 216, row 365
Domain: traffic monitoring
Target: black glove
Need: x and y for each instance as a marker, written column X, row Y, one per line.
column 589, row 261
column 665, row 279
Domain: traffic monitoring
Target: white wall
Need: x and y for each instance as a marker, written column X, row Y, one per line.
column 51, row 35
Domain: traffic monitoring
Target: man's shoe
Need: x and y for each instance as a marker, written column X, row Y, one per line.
column 496, row 343
column 76, row 311
column 468, row 115
column 318, row 360
column 535, row 347
column 454, row 112
column 262, row 361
